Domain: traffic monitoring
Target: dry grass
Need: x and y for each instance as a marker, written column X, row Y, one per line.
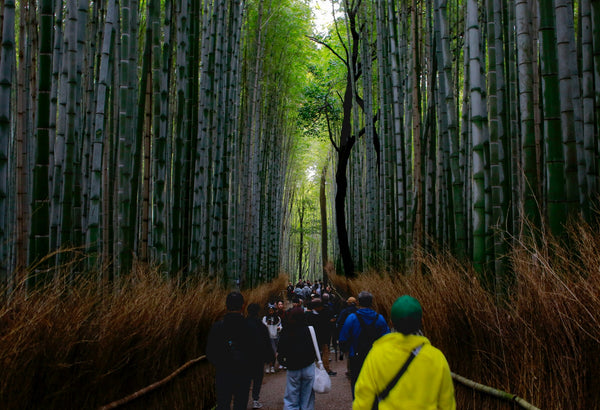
column 82, row 346
column 543, row 344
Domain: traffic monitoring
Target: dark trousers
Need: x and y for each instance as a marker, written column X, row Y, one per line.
column 257, row 377
column 232, row 385
column 355, row 363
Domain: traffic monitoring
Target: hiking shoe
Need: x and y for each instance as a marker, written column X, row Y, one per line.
column 331, row 373
column 272, row 369
column 256, row 404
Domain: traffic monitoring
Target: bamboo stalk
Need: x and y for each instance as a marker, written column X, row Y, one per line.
column 494, row 392
column 153, row 386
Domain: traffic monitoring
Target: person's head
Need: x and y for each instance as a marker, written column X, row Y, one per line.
column 271, row 308
column 325, row 298
column 253, row 309
column 296, row 316
column 234, row 302
column 316, row 304
column 280, row 305
column 407, row 315
column 295, row 301
column 351, row 301
column 365, row 299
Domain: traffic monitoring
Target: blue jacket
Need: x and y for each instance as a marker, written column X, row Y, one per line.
column 351, row 330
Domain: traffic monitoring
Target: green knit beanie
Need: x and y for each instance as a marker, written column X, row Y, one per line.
column 407, row 314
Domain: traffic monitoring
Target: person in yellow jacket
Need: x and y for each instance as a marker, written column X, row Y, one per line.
column 426, row 382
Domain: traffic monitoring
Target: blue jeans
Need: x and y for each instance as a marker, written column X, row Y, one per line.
column 299, row 394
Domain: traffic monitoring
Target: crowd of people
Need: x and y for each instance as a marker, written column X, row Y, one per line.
column 244, row 348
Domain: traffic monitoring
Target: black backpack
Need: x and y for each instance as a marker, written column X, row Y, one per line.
column 368, row 335
column 235, row 346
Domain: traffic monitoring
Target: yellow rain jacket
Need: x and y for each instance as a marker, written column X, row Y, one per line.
column 426, row 384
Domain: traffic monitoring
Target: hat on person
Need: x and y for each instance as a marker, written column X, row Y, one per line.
column 407, row 314
column 351, row 299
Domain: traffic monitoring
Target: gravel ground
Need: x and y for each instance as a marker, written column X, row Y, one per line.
column 340, row 397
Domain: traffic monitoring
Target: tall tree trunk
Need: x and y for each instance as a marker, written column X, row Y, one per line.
column 498, row 137
column 7, row 68
column 478, row 135
column 529, row 161
column 587, row 86
column 159, row 143
column 554, row 159
column 40, row 216
column 323, row 208
column 126, row 150
column 93, row 239
column 570, row 97
column 416, row 131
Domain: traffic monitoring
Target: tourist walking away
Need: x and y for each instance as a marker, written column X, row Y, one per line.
column 273, row 323
column 403, row 370
column 359, row 332
column 350, row 308
column 297, row 353
column 320, row 319
column 264, row 354
column 332, row 311
column 230, row 346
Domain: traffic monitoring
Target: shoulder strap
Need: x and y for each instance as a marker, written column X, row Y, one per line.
column 381, row 396
column 314, row 339
column 363, row 323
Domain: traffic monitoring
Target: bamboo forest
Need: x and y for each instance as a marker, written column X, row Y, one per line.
column 156, row 154
column 175, row 133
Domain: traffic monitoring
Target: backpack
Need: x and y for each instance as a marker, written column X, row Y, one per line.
column 234, row 349
column 368, row 335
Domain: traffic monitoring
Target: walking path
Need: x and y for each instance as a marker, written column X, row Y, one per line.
column 339, row 398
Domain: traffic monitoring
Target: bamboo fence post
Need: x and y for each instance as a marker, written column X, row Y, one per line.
column 151, row 387
column 494, row 392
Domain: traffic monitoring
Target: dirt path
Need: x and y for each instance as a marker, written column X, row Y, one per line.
column 273, row 388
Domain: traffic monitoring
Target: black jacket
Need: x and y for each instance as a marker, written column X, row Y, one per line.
column 265, row 353
column 296, row 346
column 321, row 321
column 232, row 343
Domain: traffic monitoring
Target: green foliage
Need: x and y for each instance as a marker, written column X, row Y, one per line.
column 320, row 105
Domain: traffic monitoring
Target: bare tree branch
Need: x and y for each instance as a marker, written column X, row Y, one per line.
column 319, row 41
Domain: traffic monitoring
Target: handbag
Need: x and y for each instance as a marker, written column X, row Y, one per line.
column 322, row 382
column 381, row 396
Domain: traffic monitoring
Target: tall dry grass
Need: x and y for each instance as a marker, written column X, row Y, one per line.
column 542, row 343
column 83, row 345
